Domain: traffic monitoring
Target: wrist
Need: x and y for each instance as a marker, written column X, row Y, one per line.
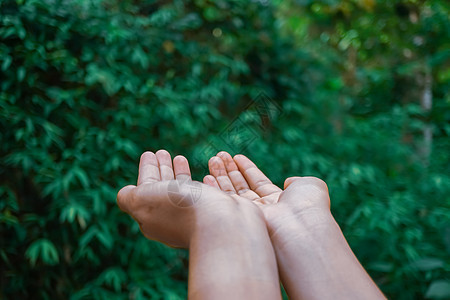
column 295, row 225
column 311, row 240
column 237, row 243
column 227, row 219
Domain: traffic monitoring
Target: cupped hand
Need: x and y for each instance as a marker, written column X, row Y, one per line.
column 166, row 203
column 302, row 197
column 309, row 245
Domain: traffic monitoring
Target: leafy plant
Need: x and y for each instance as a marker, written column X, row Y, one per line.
column 324, row 88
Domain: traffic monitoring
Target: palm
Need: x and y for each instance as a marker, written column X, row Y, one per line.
column 257, row 199
column 163, row 191
column 240, row 178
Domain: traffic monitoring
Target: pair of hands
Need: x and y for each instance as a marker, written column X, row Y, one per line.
column 169, row 207
column 244, row 233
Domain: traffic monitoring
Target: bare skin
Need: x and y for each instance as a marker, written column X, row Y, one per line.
column 314, row 259
column 231, row 256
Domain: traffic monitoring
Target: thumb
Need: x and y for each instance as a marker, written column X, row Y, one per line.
column 125, row 198
column 290, row 180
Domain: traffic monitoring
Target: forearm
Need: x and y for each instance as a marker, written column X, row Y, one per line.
column 232, row 258
column 315, row 261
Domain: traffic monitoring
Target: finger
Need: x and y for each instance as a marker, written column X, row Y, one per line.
column 165, row 165
column 237, row 179
column 256, row 179
column 211, row 181
column 125, row 198
column 181, row 168
column 217, row 169
column 148, row 168
column 306, row 181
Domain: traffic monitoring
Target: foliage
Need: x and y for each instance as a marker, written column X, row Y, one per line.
column 323, row 88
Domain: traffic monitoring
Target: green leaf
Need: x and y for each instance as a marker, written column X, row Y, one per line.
column 42, row 249
column 428, row 264
column 6, row 63
column 21, row 71
column 74, row 211
column 86, row 238
column 82, row 176
column 439, row 289
column 114, row 277
column 381, row 266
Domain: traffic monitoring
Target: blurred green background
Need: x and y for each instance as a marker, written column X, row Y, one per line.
column 354, row 92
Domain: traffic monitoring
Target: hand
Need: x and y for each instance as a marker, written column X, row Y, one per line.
column 303, row 197
column 230, row 252
column 313, row 257
column 167, row 204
